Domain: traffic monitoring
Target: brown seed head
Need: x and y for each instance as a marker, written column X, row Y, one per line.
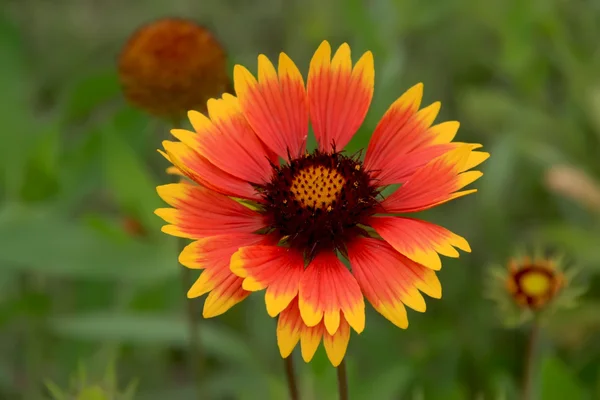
column 171, row 66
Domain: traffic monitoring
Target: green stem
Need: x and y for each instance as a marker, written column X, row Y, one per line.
column 195, row 358
column 291, row 378
column 342, row 380
column 530, row 357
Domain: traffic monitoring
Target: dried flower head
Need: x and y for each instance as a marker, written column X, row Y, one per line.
column 171, row 66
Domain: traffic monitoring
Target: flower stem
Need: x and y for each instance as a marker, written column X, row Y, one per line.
column 530, row 356
column 195, row 350
column 291, row 377
column 342, row 379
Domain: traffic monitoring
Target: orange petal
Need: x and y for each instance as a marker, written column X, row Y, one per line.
column 402, row 166
column 212, row 254
column 227, row 141
column 336, row 344
column 215, row 252
column 435, row 183
column 444, row 132
column 224, row 296
column 339, row 96
column 389, row 280
column 201, row 171
column 419, row 240
column 174, row 171
column 278, row 269
column 310, row 337
column 398, row 129
column 291, row 329
column 275, row 106
column 327, row 288
column 200, row 212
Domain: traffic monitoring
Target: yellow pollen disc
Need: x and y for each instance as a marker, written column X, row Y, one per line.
column 535, row 284
column 317, row 187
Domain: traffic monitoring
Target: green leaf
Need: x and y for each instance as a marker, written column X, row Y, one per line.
column 571, row 327
column 130, row 180
column 92, row 393
column 39, row 241
column 91, row 91
column 578, row 241
column 558, row 382
column 145, row 329
column 55, row 391
column 41, row 172
column 388, row 384
column 17, row 121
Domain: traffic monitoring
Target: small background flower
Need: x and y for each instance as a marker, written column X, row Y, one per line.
column 520, row 76
column 173, row 65
column 533, row 286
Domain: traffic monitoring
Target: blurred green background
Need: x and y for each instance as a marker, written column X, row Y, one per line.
column 77, row 288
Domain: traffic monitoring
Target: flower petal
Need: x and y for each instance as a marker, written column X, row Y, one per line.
column 419, row 240
column 224, row 296
column 310, row 337
column 403, row 165
column 394, row 128
column 278, row 269
column 276, row 106
column 200, row 212
column 227, row 141
column 326, row 288
column 337, row 344
column 201, row 171
column 212, row 254
column 289, row 328
column 389, row 280
column 215, row 252
column 339, row 96
column 444, row 132
column 435, row 183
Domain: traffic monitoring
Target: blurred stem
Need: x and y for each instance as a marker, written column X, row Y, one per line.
column 342, row 379
column 291, row 377
column 32, row 356
column 195, row 358
column 530, row 357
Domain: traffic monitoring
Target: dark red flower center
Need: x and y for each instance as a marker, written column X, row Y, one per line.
column 317, row 201
column 533, row 285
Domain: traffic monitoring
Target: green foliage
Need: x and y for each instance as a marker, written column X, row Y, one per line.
column 85, row 387
column 75, row 162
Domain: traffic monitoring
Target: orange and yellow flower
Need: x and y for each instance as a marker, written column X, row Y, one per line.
column 265, row 214
column 533, row 283
column 171, row 66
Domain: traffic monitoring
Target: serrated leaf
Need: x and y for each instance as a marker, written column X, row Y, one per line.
column 144, row 329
